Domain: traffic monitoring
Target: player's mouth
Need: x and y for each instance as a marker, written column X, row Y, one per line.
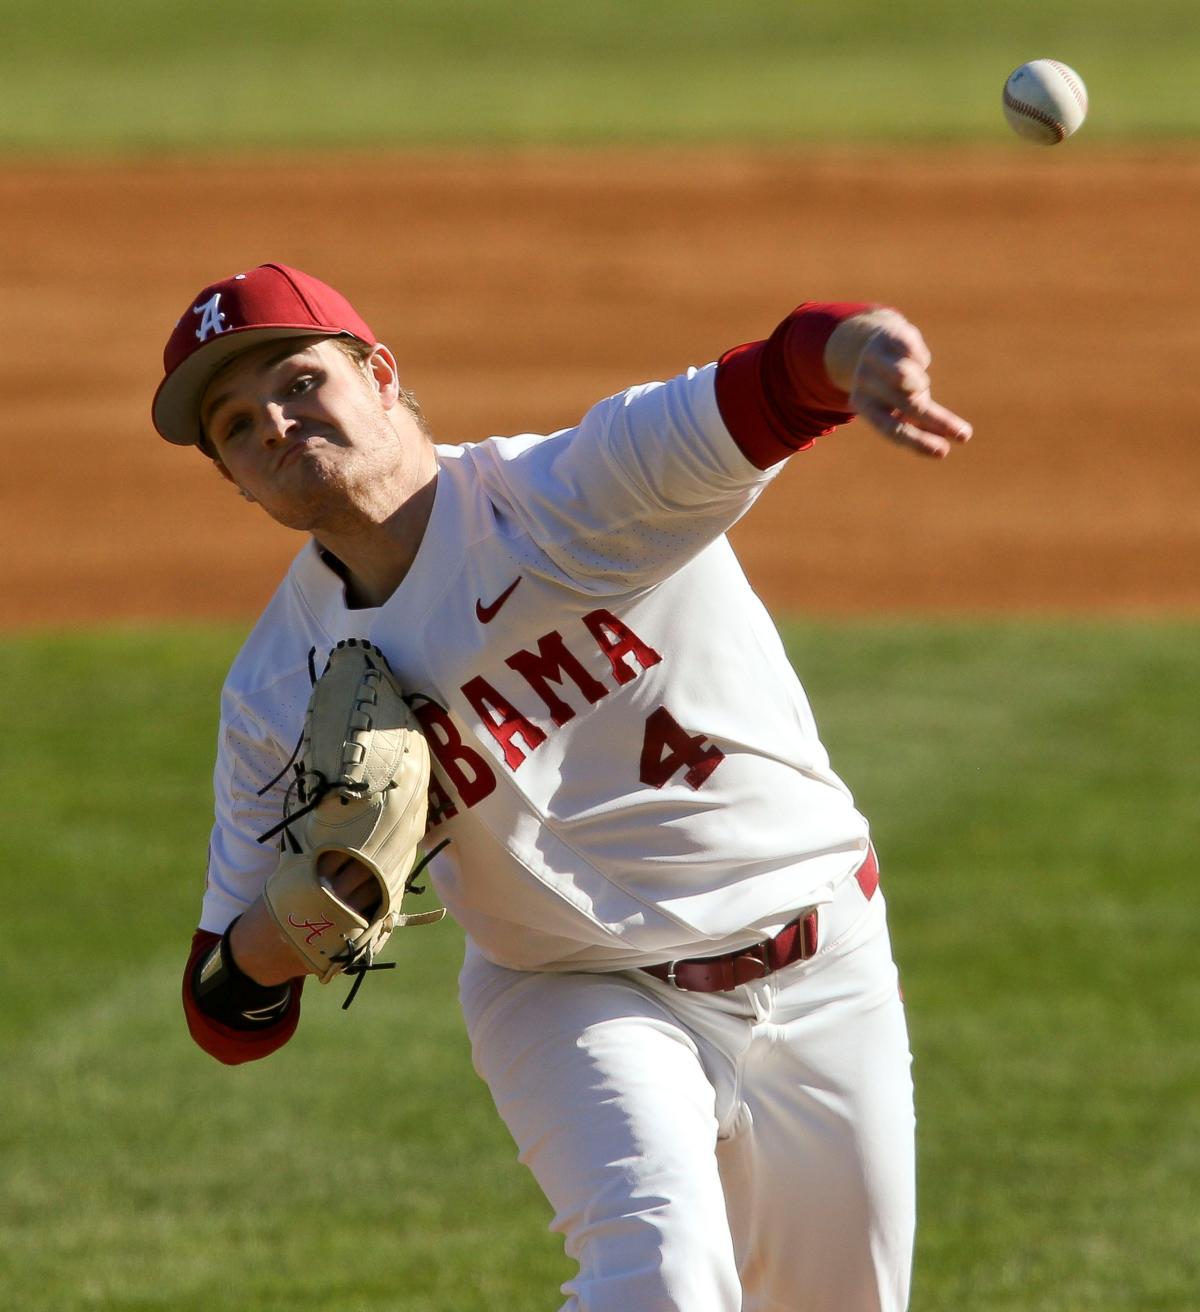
column 293, row 449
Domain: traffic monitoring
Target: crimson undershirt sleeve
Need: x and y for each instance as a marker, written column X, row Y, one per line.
column 774, row 395
column 222, row 1041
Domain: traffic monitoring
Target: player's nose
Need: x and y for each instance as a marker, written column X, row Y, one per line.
column 274, row 423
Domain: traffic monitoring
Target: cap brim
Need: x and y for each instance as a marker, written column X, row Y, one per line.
column 175, row 409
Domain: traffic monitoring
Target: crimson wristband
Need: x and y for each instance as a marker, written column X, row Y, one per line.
column 225, row 993
column 774, row 395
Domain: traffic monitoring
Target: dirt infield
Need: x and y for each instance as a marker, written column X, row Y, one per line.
column 1057, row 288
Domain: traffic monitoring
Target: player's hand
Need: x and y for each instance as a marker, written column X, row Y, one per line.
column 881, row 360
column 263, row 953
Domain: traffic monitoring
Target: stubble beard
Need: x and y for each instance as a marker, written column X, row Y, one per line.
column 348, row 489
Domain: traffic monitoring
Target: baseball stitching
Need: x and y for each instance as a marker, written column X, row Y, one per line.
column 1031, row 111
column 1076, row 90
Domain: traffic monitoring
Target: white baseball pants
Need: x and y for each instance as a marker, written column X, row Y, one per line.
column 749, row 1151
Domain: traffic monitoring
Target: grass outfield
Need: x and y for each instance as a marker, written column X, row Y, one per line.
column 1033, row 791
column 149, row 74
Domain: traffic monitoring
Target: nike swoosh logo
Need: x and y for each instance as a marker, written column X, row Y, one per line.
column 486, row 614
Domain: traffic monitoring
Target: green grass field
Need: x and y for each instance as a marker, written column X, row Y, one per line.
column 154, row 74
column 1033, row 787
column 1033, row 790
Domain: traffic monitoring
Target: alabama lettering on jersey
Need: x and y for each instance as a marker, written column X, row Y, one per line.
column 623, row 759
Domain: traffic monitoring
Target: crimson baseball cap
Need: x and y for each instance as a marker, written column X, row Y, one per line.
column 233, row 315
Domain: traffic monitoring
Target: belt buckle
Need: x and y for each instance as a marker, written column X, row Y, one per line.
column 759, row 953
column 732, row 966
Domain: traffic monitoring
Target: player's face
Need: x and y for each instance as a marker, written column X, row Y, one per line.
column 299, row 426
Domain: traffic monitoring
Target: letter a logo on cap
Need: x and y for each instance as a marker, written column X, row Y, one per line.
column 212, row 320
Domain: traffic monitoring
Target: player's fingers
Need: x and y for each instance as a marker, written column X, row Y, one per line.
column 889, row 379
column 891, row 390
column 912, row 378
column 902, row 388
column 896, row 428
column 359, row 889
column 897, row 341
column 347, row 877
column 925, row 413
column 917, row 347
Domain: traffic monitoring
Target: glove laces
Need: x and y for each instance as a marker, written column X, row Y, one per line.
column 361, row 960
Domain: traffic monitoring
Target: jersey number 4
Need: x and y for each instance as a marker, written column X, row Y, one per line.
column 668, row 748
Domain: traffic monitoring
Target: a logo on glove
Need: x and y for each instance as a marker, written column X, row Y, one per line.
column 315, row 927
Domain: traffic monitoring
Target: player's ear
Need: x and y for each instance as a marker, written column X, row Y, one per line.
column 385, row 374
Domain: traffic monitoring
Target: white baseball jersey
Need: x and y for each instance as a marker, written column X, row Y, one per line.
column 624, row 761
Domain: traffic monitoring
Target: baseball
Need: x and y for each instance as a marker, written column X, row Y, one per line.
column 1045, row 101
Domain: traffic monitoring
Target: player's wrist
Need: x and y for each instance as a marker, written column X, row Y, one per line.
column 776, row 396
column 225, row 993
column 810, row 354
column 261, row 949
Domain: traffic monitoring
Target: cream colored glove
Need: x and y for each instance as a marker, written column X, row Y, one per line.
column 360, row 789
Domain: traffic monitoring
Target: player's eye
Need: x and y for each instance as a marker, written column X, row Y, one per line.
column 234, row 426
column 303, row 383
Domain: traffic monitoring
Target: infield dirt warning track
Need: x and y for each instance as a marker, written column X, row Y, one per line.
column 1059, row 291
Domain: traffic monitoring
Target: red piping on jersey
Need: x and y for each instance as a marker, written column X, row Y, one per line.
column 775, row 396
column 221, row 1041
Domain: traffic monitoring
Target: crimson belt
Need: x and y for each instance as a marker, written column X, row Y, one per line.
column 796, row 941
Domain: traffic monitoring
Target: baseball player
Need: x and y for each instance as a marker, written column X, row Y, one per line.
column 678, row 983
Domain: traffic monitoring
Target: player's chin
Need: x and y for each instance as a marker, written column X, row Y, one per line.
column 296, row 502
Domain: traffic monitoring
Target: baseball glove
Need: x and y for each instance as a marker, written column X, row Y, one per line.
column 360, row 787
